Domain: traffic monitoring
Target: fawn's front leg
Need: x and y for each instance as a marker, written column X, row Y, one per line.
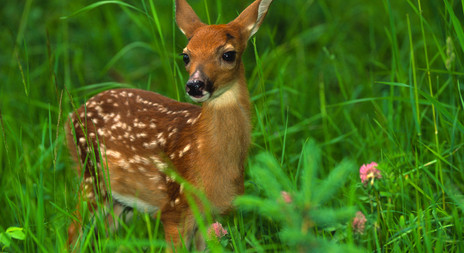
column 179, row 227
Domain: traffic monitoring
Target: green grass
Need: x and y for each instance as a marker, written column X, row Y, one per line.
column 334, row 85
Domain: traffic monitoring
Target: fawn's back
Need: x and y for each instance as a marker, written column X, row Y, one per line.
column 135, row 135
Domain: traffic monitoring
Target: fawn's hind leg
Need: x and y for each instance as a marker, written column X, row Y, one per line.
column 95, row 210
column 75, row 228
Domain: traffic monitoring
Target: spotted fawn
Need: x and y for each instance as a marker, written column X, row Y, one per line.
column 136, row 135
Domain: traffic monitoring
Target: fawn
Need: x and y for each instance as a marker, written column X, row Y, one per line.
column 136, row 135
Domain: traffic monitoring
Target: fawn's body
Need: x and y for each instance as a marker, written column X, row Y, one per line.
column 136, row 135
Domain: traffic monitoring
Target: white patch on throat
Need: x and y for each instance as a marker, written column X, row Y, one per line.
column 226, row 96
column 134, row 203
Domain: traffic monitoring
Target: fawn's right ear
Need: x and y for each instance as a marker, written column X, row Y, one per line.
column 187, row 20
column 252, row 17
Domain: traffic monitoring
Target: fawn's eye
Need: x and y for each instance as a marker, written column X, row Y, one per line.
column 185, row 58
column 229, row 56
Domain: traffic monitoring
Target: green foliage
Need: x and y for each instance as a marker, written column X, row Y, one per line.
column 298, row 209
column 11, row 233
column 367, row 80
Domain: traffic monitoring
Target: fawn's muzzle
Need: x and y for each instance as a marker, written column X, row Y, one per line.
column 195, row 88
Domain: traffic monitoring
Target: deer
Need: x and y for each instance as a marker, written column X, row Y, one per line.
column 136, row 135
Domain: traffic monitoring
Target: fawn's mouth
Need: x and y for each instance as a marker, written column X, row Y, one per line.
column 198, row 90
column 201, row 97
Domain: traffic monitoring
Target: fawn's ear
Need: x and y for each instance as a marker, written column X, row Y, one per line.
column 187, row 20
column 251, row 18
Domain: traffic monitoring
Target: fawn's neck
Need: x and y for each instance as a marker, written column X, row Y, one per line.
column 227, row 121
column 225, row 125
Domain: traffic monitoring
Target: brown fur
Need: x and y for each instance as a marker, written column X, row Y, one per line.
column 128, row 138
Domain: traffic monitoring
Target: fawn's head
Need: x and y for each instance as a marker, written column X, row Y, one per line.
column 213, row 54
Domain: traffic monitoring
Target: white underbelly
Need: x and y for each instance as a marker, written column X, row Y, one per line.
column 134, row 202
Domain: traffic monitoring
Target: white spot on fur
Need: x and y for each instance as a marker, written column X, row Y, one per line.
column 123, row 164
column 106, row 117
column 101, row 132
column 141, row 135
column 169, row 179
column 172, row 132
column 193, row 120
column 155, row 178
column 114, row 126
column 139, row 159
column 150, row 145
column 161, row 139
column 182, row 152
column 113, row 153
column 187, row 148
column 158, row 163
column 91, row 104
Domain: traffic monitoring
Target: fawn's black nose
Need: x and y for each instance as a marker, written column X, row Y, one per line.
column 195, row 88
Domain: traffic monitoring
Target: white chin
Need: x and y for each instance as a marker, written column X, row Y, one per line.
column 201, row 99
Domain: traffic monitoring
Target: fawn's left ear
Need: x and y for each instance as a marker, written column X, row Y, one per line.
column 251, row 18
